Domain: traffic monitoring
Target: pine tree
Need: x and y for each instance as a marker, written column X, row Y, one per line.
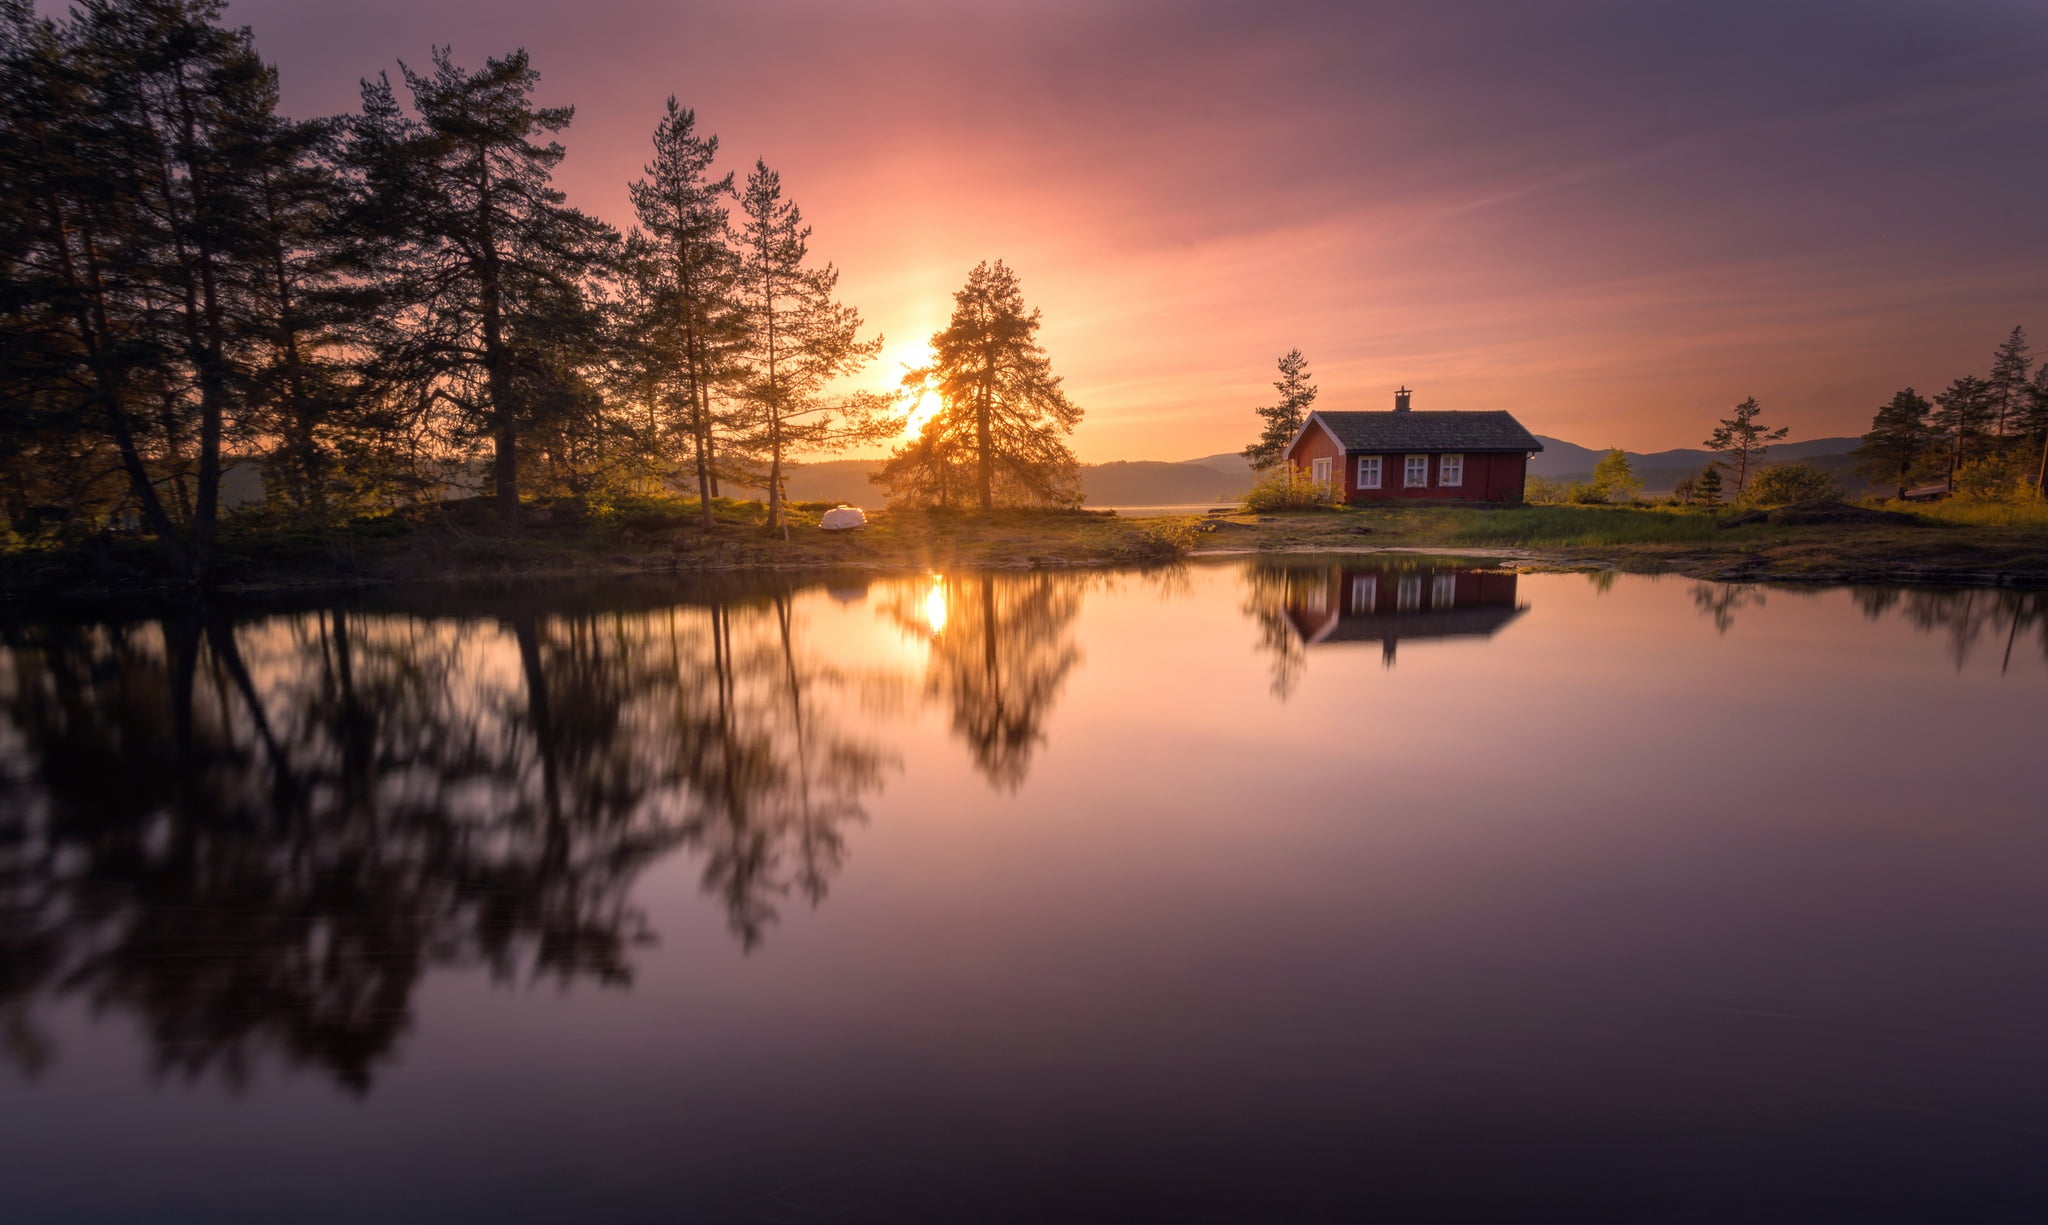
column 686, row 270
column 136, row 133
column 2037, row 424
column 1284, row 418
column 1003, row 410
column 474, row 243
column 1708, row 487
column 2007, row 388
column 1961, row 414
column 1899, row 439
column 1743, row 441
column 798, row 338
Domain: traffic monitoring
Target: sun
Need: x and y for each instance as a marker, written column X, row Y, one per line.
column 919, row 415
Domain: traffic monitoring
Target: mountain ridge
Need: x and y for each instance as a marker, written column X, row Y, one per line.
column 1224, row 477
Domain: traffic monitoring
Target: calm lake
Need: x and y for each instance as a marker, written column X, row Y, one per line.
column 1336, row 889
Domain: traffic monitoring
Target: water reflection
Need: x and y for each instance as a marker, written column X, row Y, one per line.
column 1303, row 605
column 1965, row 616
column 1002, row 646
column 257, row 838
column 258, row 834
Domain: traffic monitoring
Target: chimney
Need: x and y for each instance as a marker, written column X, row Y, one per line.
column 1401, row 400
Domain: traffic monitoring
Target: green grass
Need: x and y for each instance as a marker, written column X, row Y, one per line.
column 1979, row 514
column 1581, row 526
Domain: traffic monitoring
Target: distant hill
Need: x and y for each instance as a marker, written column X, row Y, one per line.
column 1660, row 470
column 1143, row 482
column 1225, row 477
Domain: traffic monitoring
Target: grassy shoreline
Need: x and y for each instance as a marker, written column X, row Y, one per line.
column 463, row 542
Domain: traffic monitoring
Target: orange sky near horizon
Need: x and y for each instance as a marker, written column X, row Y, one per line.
column 1614, row 222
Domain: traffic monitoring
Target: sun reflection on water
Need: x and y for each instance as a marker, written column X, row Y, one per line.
column 935, row 606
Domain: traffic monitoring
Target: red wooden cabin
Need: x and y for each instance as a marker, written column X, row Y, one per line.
column 1431, row 456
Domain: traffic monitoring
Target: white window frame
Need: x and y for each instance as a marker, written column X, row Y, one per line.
column 1443, row 591
column 1408, row 593
column 1369, row 468
column 1450, row 470
column 1319, row 471
column 1365, row 594
column 1408, row 472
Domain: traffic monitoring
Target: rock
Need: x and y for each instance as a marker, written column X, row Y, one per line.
column 1742, row 520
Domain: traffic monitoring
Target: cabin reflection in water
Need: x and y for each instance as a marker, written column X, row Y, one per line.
column 1387, row 603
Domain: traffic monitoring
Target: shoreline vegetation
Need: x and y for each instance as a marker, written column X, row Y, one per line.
column 1949, row 543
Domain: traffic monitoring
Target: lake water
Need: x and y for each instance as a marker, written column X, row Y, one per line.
column 1331, row 890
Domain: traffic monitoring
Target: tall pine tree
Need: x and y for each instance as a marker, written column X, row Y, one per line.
column 475, row 245
column 2007, row 388
column 1285, row 417
column 799, row 340
column 1899, row 440
column 685, row 270
column 1003, row 418
column 1962, row 414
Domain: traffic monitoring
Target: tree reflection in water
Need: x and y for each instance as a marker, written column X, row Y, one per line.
column 256, row 838
column 1002, row 646
column 1966, row 616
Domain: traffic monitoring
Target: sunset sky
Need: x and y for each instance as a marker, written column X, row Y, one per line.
column 1614, row 219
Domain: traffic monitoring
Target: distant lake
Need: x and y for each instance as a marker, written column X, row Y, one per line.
column 1320, row 889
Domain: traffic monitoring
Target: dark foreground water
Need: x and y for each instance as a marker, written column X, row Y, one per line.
column 1332, row 892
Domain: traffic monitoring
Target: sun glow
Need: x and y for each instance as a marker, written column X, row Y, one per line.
column 935, row 606
column 918, row 415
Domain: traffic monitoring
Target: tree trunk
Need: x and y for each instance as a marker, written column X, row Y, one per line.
column 497, row 362
column 984, row 442
column 92, row 327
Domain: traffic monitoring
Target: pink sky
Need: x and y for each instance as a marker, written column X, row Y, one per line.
column 1613, row 219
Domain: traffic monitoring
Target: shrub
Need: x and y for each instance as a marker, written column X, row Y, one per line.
column 1997, row 478
column 1282, row 490
column 1613, row 477
column 1164, row 536
column 1543, row 491
column 1791, row 484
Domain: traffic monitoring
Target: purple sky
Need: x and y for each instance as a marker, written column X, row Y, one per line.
column 1615, row 219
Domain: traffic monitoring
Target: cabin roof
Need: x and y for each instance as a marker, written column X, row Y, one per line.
column 1427, row 431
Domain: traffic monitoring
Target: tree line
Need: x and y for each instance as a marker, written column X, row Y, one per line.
column 1985, row 436
column 388, row 306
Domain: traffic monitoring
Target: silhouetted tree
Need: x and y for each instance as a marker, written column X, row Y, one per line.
column 1002, row 410
column 1899, row 439
column 1283, row 418
column 477, row 254
column 2007, row 388
column 799, row 340
column 1743, row 440
column 1960, row 415
column 686, row 268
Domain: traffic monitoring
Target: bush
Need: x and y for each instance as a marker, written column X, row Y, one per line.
column 1543, row 491
column 1164, row 536
column 1997, row 478
column 1791, row 485
column 1282, row 490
